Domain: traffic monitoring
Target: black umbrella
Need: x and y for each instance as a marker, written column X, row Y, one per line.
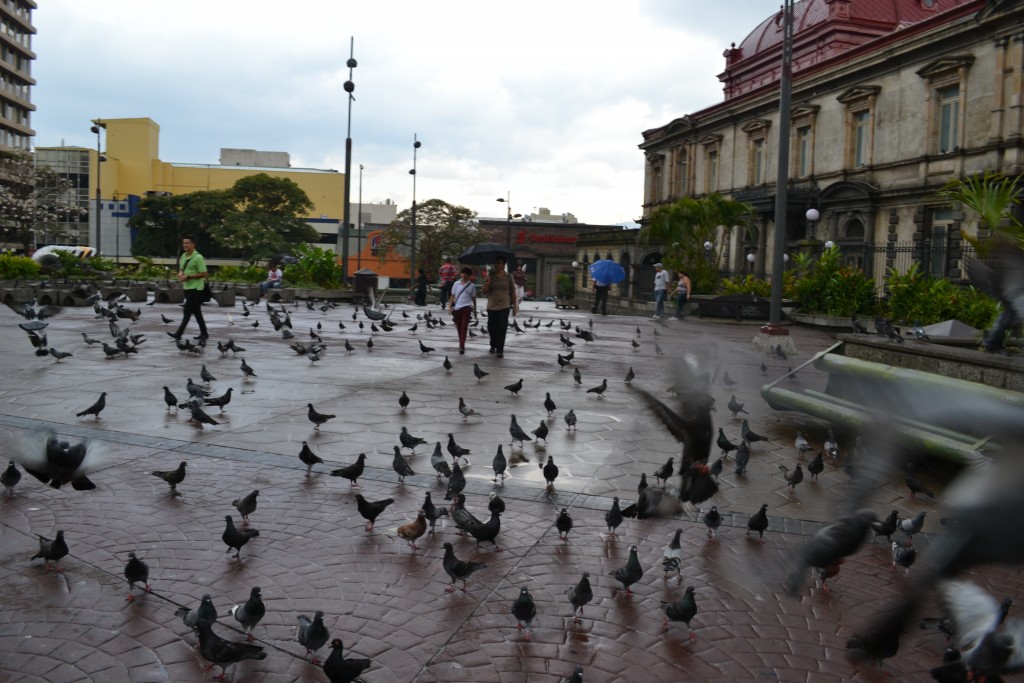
column 486, row 253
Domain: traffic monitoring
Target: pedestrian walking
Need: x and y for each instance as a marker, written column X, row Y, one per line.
column 600, row 297
column 448, row 274
column 422, row 283
column 463, row 302
column 500, row 290
column 681, row 293
column 661, row 279
column 519, row 276
column 192, row 276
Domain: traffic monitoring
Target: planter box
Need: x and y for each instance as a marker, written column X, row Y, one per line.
column 831, row 322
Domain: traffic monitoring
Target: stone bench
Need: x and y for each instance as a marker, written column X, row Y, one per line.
column 285, row 295
column 169, row 295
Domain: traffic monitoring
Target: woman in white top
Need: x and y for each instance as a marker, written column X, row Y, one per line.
column 463, row 302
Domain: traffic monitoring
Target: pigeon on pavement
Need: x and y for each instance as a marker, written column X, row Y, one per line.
column 758, row 522
column 413, row 530
column 913, row 525
column 52, row 551
column 206, row 613
column 685, row 609
column 458, row 570
column 792, row 478
column 370, row 510
column 12, row 475
column 515, row 387
column 136, row 571
column 312, row 634
column 550, row 473
column 341, row 670
column 579, row 596
column 735, row 407
column 246, row 506
column 235, row 538
column 613, row 518
column 409, row 441
column 816, row 466
column 57, row 462
column 570, row 420
column 564, row 524
column 309, row 458
column 317, row 418
column 524, row 610
column 801, row 443
column 629, row 573
column 499, row 465
column 724, row 443
column 96, row 408
column 665, row 471
column 712, row 520
column 830, row 545
column 480, row 374
column 914, row 484
column 750, row 436
column 172, row 477
column 249, row 613
column 517, row 433
column 401, row 466
column 903, row 555
column 600, row 389
column 431, row 512
column 438, row 462
column 352, row 472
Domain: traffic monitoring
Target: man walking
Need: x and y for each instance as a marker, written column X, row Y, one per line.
column 600, row 297
column 660, row 290
column 448, row 274
column 192, row 276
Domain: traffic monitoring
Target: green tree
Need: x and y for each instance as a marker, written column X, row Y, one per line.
column 993, row 196
column 268, row 217
column 685, row 225
column 442, row 229
column 33, row 198
column 163, row 219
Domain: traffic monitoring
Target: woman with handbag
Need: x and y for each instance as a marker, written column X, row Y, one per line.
column 192, row 276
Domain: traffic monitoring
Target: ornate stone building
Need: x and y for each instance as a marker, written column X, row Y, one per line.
column 891, row 99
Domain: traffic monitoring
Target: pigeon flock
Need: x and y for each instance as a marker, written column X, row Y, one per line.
column 680, row 401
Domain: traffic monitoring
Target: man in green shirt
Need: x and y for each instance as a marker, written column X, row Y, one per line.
column 192, row 276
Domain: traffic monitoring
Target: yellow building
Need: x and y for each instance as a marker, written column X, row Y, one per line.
column 130, row 166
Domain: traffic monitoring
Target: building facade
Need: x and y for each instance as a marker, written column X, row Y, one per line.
column 16, row 57
column 891, row 99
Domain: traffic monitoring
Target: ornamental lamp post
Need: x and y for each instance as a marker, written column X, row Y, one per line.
column 774, row 326
column 812, row 217
column 507, row 201
column 96, row 128
column 416, row 144
column 349, row 87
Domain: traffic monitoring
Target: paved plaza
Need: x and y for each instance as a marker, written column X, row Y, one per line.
column 382, row 599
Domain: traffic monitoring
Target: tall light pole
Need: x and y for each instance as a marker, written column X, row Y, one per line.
column 99, row 125
column 416, row 144
column 507, row 201
column 346, row 219
column 117, row 230
column 782, row 177
column 359, row 229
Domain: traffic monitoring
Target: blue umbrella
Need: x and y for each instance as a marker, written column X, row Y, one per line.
column 607, row 271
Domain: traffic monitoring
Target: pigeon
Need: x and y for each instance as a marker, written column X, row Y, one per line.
column 630, row 376
column 665, row 471
column 249, row 613
column 831, row 447
column 432, row 512
column 172, row 477
column 973, row 621
column 205, row 375
column 724, row 443
column 403, row 401
column 499, row 464
column 549, row 405
column 317, row 418
column 309, row 458
column 816, row 466
column 742, row 458
column 199, row 415
column 51, row 551
column 219, row 401
column 577, row 376
column 735, row 407
column 541, row 433
column 524, row 611
column 758, row 522
column 466, row 411
column 447, row 364
column 247, row 371
column 480, row 374
column 341, row 670
column 438, row 462
column 1000, row 277
column 792, row 478
column 577, row 676
column 886, row 527
column 728, row 381
column 912, row 526
column 11, row 476
column 629, row 573
column 671, row 560
column 136, row 571
column 246, row 506
column 60, row 355
column 455, row 450
column 830, row 545
column 456, row 483
column 801, row 443
column 613, row 518
column 550, row 473
column 496, row 504
column 348, row 347
column 235, row 538
column 684, row 610
column 312, row 634
column 96, row 408
column 570, row 420
column 903, row 555
column 515, row 387
column 409, row 441
column 562, row 361
column 712, row 520
column 599, row 390
column 413, row 530
column 915, row 485
column 57, row 462
column 564, row 524
column 170, row 399
column 579, row 596
column 750, row 436
column 370, row 510
column 401, row 466
column 204, row 615
column 779, row 353
column 424, row 348
column 517, row 433
column 458, row 570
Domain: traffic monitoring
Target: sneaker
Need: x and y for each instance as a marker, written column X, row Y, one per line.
column 462, row 350
column 500, row 354
column 673, row 318
column 655, row 317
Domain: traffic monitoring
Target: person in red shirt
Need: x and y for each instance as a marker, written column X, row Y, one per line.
column 449, row 274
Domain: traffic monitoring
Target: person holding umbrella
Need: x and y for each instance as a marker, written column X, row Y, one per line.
column 600, row 296
column 500, row 290
column 604, row 273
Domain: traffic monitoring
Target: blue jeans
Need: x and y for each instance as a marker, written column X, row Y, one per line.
column 659, row 301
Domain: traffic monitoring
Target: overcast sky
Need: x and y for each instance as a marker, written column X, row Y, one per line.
column 545, row 99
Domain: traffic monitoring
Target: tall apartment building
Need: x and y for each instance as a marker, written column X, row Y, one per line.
column 16, row 80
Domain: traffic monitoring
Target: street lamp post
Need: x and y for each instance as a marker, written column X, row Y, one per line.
column 507, row 201
column 346, row 219
column 359, row 224
column 117, row 230
column 99, row 160
column 774, row 325
column 812, row 217
column 416, row 144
